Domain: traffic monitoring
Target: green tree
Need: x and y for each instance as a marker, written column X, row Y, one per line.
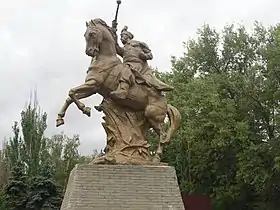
column 227, row 89
column 65, row 155
column 13, row 147
column 30, row 147
column 44, row 192
column 16, row 191
column 4, row 173
column 33, row 124
column 3, row 205
column 3, row 177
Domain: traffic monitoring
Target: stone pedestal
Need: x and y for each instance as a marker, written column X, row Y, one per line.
column 121, row 187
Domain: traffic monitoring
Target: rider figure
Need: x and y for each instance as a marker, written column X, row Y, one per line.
column 135, row 55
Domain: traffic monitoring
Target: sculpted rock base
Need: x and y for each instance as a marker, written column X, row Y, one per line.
column 126, row 136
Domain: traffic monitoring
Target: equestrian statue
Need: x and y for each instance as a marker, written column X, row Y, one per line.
column 133, row 98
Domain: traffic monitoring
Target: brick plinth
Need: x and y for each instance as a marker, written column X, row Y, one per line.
column 121, row 187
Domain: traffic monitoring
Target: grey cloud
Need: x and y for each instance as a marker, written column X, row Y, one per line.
column 42, row 46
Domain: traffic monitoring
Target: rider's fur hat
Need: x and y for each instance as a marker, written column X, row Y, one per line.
column 125, row 31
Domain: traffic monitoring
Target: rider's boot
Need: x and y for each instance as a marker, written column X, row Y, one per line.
column 121, row 92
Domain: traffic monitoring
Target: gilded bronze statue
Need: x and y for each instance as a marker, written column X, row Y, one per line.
column 133, row 98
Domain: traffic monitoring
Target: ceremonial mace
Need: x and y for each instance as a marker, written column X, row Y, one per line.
column 115, row 23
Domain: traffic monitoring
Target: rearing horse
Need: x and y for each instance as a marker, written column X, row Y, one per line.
column 103, row 77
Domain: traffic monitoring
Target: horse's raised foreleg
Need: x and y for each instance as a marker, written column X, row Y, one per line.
column 67, row 103
column 88, row 88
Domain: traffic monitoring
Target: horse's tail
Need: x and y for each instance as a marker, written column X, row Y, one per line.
column 174, row 119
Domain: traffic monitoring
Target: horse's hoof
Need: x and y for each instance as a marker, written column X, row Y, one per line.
column 98, row 108
column 87, row 111
column 59, row 122
column 156, row 158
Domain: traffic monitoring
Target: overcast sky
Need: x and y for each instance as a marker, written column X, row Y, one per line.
column 42, row 47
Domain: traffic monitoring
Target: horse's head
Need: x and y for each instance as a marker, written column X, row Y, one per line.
column 93, row 36
column 97, row 33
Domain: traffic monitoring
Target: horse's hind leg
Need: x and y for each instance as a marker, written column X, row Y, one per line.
column 158, row 128
column 67, row 103
column 156, row 115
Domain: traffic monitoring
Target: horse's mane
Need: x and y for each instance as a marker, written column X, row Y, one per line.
column 100, row 21
column 103, row 23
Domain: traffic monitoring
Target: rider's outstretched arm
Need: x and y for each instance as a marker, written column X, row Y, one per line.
column 114, row 29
